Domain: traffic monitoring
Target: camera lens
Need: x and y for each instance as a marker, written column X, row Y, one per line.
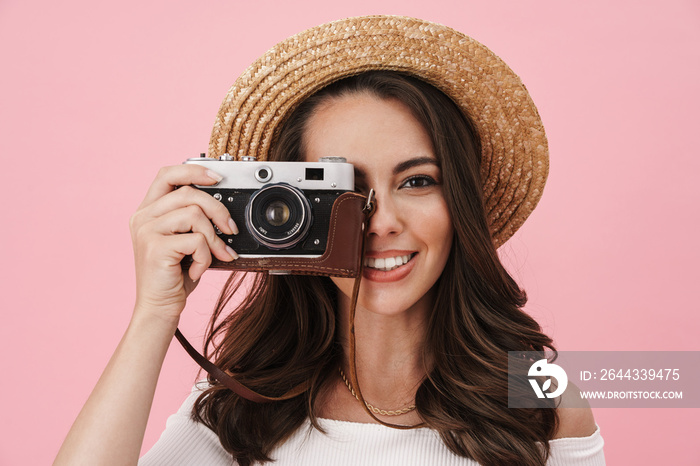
column 277, row 213
column 278, row 216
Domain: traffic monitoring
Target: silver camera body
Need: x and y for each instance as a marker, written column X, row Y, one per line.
column 280, row 208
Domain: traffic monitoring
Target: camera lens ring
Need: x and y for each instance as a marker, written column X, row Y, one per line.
column 265, row 203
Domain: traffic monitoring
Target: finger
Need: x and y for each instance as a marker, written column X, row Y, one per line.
column 190, row 285
column 194, row 245
column 189, row 196
column 192, row 219
column 169, row 178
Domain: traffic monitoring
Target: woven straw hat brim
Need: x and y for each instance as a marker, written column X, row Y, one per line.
column 514, row 154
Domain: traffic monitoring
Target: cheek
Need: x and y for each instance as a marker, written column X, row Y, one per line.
column 438, row 230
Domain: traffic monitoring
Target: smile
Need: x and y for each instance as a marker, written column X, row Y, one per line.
column 388, row 263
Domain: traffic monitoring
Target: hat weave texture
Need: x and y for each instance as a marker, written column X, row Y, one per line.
column 514, row 153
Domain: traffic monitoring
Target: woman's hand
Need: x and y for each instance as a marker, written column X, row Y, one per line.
column 173, row 221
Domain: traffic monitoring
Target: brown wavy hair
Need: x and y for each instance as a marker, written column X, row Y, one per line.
column 284, row 332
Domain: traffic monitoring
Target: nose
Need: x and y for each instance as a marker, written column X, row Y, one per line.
column 388, row 219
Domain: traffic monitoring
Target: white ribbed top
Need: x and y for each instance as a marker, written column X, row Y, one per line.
column 185, row 442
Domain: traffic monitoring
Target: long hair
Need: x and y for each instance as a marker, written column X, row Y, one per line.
column 284, row 332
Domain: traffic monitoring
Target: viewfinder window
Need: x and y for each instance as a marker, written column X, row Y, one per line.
column 314, row 174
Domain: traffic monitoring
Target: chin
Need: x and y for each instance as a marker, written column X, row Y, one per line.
column 385, row 302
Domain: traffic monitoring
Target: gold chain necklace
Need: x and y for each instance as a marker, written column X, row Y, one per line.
column 384, row 412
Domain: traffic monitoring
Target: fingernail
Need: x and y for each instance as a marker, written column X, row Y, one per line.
column 231, row 252
column 233, row 226
column 214, row 176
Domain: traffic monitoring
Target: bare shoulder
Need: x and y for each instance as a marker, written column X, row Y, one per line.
column 575, row 415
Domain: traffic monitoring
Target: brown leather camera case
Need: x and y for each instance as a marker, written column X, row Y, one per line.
column 343, row 251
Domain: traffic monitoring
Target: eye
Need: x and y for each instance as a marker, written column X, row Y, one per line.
column 419, row 181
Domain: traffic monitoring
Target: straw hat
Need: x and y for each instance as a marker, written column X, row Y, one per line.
column 514, row 154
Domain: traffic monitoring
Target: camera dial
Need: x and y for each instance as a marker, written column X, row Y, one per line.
column 333, row 160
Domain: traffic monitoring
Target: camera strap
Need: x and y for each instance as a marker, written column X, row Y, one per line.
column 370, row 207
column 228, row 379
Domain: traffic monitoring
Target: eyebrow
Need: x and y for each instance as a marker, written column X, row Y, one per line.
column 405, row 165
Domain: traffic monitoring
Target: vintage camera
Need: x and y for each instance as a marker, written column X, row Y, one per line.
column 280, row 208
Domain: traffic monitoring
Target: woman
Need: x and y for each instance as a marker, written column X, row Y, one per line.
column 436, row 313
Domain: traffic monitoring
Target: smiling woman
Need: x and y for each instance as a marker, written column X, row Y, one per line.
column 426, row 329
column 436, row 314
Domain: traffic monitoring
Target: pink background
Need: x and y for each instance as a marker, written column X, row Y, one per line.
column 95, row 97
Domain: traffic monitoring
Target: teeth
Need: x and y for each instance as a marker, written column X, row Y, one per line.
column 388, row 263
